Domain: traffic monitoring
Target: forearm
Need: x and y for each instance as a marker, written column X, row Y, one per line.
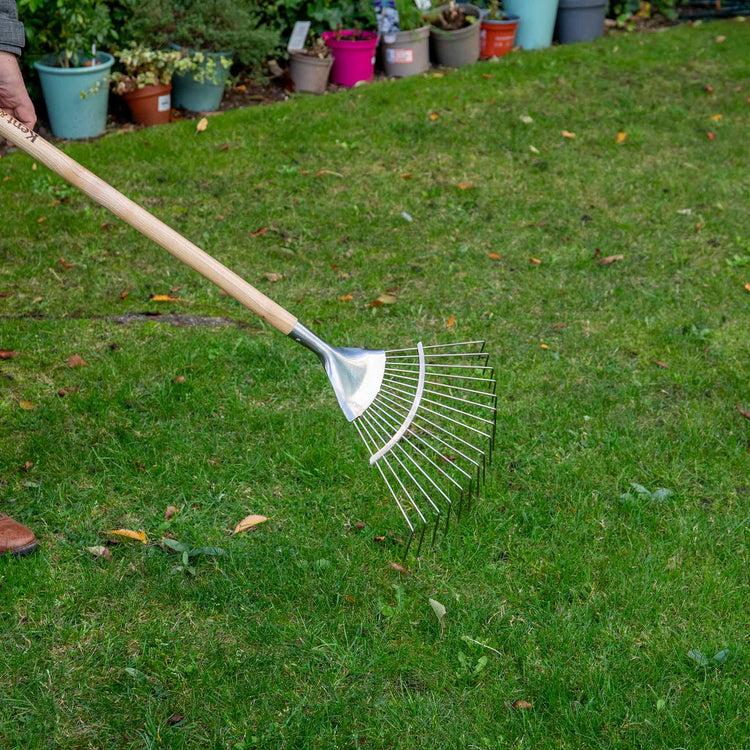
column 12, row 38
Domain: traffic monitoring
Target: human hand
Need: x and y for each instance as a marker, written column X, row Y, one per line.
column 14, row 98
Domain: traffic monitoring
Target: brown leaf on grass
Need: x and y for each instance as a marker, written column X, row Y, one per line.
column 124, row 293
column 610, row 259
column 99, row 551
column 384, row 299
column 202, row 125
column 487, row 76
column 567, row 134
column 434, row 116
column 179, row 379
column 744, row 413
column 41, row 219
column 535, row 261
column 708, row 88
column 273, row 277
column 65, row 265
column 494, row 256
column 464, row 186
column 716, row 118
column 346, row 297
column 26, row 405
column 324, row 172
column 721, row 38
column 176, row 718
column 521, row 704
column 63, row 392
column 166, row 298
column 170, row 512
column 7, row 354
column 406, row 176
column 259, row 232
column 359, row 525
column 76, row 361
column 139, row 536
column 223, row 147
column 450, row 322
column 249, row 522
column 399, row 568
column 747, row 285
column 27, row 466
column 621, row 136
column 710, row 135
column 661, row 364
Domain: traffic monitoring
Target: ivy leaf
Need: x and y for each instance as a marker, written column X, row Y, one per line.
column 440, row 613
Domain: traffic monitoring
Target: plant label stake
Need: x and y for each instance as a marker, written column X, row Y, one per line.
column 426, row 414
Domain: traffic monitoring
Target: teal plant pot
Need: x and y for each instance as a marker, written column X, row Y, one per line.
column 76, row 98
column 537, row 21
column 200, row 91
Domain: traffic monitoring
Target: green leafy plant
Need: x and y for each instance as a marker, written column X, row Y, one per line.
column 468, row 670
column 69, row 30
column 188, row 553
column 703, row 661
column 409, row 16
column 495, row 11
column 144, row 66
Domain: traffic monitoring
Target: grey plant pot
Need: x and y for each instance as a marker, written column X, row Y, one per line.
column 406, row 53
column 309, row 73
column 580, row 20
column 454, row 49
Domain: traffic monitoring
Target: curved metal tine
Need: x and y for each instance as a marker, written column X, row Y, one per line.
column 437, row 510
column 448, row 396
column 437, row 468
column 480, row 468
column 395, row 415
column 422, row 418
column 438, row 346
column 451, row 367
column 385, row 479
column 445, row 375
column 403, row 380
column 483, row 357
column 398, row 478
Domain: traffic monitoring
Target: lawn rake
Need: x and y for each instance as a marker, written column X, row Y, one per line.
column 426, row 414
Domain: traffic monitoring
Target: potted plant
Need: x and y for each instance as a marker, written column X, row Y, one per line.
column 211, row 34
column 498, row 31
column 580, row 20
column 353, row 49
column 537, row 21
column 455, row 34
column 309, row 68
column 146, row 82
column 406, row 51
column 74, row 80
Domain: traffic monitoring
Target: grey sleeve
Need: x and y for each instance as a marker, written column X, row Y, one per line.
column 12, row 38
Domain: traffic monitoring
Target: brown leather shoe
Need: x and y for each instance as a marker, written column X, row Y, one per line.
column 15, row 539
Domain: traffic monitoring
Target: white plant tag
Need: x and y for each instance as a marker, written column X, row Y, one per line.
column 165, row 103
column 299, row 35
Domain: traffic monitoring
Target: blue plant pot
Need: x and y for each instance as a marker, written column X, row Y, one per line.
column 197, row 95
column 537, row 21
column 76, row 98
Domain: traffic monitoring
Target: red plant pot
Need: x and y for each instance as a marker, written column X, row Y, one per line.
column 496, row 37
column 150, row 105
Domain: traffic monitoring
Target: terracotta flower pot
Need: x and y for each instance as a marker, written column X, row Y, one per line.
column 150, row 105
column 497, row 37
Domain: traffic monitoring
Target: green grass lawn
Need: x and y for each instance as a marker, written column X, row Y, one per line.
column 566, row 587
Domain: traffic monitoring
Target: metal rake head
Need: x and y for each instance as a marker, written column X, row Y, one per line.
column 430, row 431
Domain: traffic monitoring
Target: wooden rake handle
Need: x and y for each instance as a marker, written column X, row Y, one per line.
column 69, row 169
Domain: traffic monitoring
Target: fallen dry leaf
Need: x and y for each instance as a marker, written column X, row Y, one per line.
column 535, row 261
column 494, row 256
column 384, row 299
column 399, row 568
column 658, row 363
column 609, row 259
column 124, row 293
column 487, row 76
column 621, row 136
column 747, row 285
column 544, row 346
column 248, row 523
column 434, row 116
column 323, row 172
column 170, row 512
column 463, row 185
column 259, row 232
column 721, row 38
column 179, row 379
column 451, row 322
column 223, row 147
column 166, row 298
column 26, row 405
column 41, row 219
column 437, row 75
column 139, row 536
column 99, row 551
column 567, row 134
column 273, row 277
column 744, row 413
column 708, row 88
column 202, row 125
column 177, row 718
column 76, row 361
column 521, row 704
column 716, row 118
column 7, row 354
column 27, row 466
column 346, row 297
column 406, row 176
column 65, row 265
column 710, row 135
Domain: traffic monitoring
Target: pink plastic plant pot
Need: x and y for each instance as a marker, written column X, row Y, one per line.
column 353, row 59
